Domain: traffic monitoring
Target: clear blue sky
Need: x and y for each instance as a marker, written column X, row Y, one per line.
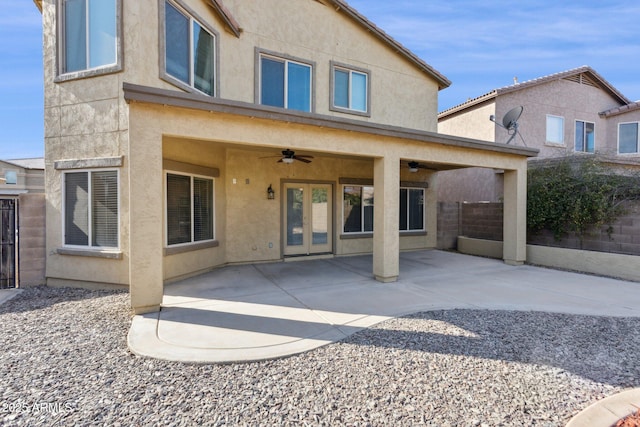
column 478, row 45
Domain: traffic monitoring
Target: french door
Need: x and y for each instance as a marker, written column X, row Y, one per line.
column 308, row 219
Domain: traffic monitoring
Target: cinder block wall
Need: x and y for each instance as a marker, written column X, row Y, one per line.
column 485, row 221
column 448, row 225
column 482, row 220
column 31, row 229
column 624, row 236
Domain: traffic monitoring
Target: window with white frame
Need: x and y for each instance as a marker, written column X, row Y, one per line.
column 357, row 209
column 90, row 210
column 628, row 142
column 585, row 136
column 350, row 89
column 190, row 50
column 285, row 83
column 411, row 209
column 190, row 214
column 89, row 34
column 555, row 129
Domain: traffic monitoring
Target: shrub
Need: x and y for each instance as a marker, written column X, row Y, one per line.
column 576, row 194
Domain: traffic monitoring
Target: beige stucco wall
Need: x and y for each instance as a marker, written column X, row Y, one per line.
column 472, row 123
column 601, row 263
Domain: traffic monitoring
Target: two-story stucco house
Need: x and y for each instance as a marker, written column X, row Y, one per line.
column 182, row 135
column 572, row 112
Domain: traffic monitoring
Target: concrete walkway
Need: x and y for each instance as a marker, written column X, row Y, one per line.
column 264, row 311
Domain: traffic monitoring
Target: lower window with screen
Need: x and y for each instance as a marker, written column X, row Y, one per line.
column 189, row 209
column 91, row 209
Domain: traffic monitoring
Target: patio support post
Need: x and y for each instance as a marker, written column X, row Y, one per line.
column 515, row 216
column 145, row 217
column 386, row 236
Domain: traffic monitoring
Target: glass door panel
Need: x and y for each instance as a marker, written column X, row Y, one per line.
column 308, row 219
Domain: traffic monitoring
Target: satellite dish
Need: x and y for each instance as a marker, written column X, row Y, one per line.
column 510, row 123
column 510, row 120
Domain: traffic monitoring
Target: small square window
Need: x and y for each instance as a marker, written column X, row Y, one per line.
column 350, row 90
column 285, row 83
column 555, row 129
column 11, row 177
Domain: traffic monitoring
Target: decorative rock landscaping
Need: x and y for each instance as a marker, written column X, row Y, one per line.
column 65, row 362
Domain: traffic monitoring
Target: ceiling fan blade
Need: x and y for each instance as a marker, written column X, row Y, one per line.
column 302, row 159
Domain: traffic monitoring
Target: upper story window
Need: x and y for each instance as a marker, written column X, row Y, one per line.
column 285, row 82
column 555, row 129
column 628, row 142
column 89, row 34
column 90, row 211
column 190, row 214
column 585, row 136
column 11, row 177
column 189, row 51
column 349, row 89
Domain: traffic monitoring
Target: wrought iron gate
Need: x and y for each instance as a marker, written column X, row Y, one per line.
column 7, row 243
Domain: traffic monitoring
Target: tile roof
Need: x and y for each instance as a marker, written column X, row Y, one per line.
column 585, row 69
column 632, row 106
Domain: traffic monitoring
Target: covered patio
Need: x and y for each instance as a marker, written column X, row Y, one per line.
column 270, row 310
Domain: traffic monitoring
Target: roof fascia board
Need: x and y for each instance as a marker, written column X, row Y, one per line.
column 166, row 97
column 226, row 16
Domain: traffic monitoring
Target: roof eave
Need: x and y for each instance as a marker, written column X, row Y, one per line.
column 38, row 4
column 443, row 82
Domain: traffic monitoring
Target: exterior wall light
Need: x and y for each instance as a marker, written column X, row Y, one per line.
column 270, row 193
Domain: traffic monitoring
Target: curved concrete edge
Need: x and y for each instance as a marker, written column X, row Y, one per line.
column 143, row 340
column 607, row 412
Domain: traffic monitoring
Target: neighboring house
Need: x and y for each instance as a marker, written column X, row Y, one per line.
column 22, row 224
column 576, row 111
column 181, row 135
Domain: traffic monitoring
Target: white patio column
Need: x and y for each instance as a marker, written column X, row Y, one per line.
column 145, row 216
column 386, row 236
column 515, row 216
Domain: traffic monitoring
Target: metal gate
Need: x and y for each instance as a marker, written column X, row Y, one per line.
column 7, row 243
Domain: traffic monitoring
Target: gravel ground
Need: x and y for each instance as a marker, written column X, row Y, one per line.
column 65, row 362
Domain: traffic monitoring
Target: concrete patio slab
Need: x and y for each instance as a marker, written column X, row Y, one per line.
column 264, row 311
